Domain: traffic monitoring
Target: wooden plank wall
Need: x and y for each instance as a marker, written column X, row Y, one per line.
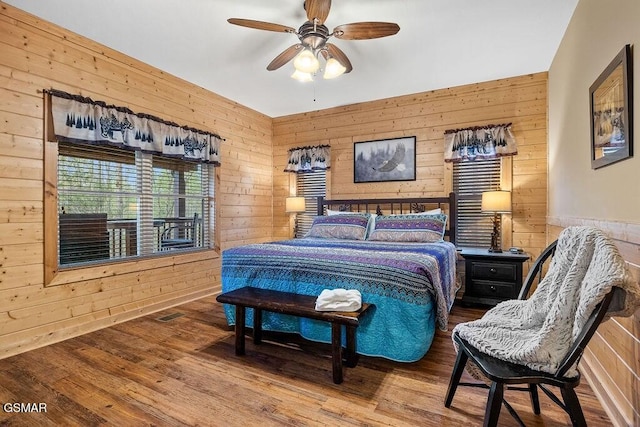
column 35, row 55
column 520, row 100
column 612, row 359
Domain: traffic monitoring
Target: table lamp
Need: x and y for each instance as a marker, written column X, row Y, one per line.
column 497, row 203
column 294, row 205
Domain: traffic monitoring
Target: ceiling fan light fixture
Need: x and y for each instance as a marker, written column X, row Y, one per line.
column 302, row 76
column 333, row 69
column 306, row 62
column 314, row 35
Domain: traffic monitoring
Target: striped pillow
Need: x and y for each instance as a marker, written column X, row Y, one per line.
column 349, row 227
column 410, row 228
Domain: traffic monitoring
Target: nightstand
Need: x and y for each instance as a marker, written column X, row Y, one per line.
column 491, row 277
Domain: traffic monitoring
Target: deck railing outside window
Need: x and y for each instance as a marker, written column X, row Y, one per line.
column 116, row 204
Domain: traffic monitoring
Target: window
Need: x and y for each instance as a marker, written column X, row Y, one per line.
column 470, row 179
column 116, row 204
column 309, row 185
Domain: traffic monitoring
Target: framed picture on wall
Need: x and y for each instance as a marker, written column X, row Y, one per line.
column 385, row 160
column 611, row 112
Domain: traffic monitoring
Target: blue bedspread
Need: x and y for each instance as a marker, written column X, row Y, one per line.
column 411, row 285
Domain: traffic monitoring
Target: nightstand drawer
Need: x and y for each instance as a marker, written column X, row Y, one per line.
column 494, row 290
column 494, row 271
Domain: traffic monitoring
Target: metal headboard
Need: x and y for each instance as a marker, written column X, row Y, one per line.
column 398, row 206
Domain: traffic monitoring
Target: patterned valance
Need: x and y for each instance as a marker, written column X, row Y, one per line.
column 307, row 159
column 78, row 119
column 479, row 143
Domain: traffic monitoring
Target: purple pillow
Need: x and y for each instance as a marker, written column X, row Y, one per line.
column 350, row 226
column 410, row 228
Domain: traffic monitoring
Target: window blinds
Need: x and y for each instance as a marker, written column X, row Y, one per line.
column 95, row 185
column 310, row 185
column 181, row 194
column 116, row 203
column 470, row 179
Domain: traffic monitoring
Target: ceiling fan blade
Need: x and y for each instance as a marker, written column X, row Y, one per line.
column 365, row 30
column 317, row 9
column 339, row 55
column 260, row 25
column 286, row 56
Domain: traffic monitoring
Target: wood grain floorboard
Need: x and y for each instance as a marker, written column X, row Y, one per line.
column 185, row 373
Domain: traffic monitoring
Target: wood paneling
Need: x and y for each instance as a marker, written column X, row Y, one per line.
column 37, row 55
column 519, row 100
column 612, row 358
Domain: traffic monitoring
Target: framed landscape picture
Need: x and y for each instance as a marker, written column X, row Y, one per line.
column 611, row 112
column 385, row 160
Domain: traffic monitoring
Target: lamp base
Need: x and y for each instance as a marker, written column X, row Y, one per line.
column 495, row 236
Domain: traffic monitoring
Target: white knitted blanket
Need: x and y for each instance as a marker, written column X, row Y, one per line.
column 538, row 332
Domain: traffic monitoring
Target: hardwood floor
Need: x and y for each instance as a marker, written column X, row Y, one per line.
column 184, row 372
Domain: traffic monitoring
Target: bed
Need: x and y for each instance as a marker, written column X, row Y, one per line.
column 411, row 283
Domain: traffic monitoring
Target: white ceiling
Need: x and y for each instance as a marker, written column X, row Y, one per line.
column 441, row 43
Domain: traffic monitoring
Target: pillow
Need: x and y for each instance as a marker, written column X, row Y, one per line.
column 348, row 226
column 372, row 218
column 332, row 212
column 409, row 228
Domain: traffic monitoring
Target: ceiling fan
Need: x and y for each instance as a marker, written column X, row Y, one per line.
column 314, row 36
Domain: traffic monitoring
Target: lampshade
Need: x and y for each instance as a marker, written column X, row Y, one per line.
column 333, row 69
column 301, row 77
column 496, row 201
column 295, row 204
column 306, row 62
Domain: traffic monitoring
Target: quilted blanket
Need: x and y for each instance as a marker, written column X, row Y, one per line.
column 538, row 332
column 411, row 285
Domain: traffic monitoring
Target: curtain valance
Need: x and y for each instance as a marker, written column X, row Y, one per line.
column 479, row 143
column 78, row 119
column 307, row 159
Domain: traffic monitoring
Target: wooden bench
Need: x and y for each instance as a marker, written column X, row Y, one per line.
column 296, row 305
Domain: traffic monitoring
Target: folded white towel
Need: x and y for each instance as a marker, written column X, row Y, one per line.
column 339, row 300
